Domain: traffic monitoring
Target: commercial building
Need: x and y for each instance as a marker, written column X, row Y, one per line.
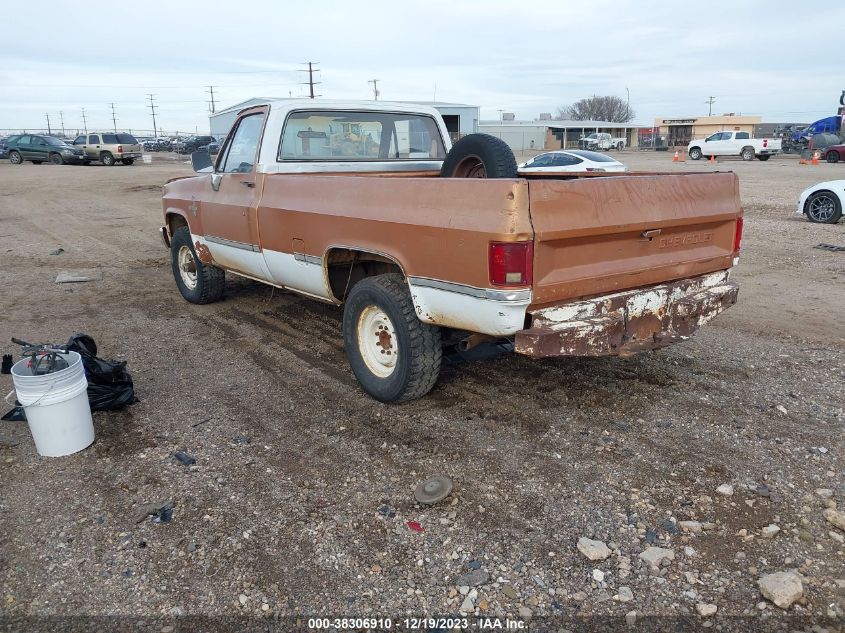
column 557, row 134
column 460, row 119
column 680, row 131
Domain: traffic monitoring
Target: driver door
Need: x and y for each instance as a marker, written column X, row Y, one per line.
column 229, row 206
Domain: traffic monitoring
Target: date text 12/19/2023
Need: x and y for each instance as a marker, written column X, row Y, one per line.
column 416, row 624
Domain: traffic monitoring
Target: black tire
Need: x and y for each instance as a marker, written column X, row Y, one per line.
column 209, row 280
column 15, row 158
column 57, row 159
column 417, row 363
column 823, row 207
column 107, row 159
column 833, row 156
column 695, row 153
column 747, row 153
column 479, row 156
column 764, row 157
column 86, row 162
column 128, row 161
column 37, row 162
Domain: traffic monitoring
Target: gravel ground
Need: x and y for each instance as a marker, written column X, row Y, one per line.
column 301, row 498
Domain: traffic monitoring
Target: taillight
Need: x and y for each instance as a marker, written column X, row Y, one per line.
column 738, row 235
column 120, row 149
column 765, row 142
column 511, row 263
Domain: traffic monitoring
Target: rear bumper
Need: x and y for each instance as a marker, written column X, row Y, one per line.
column 624, row 323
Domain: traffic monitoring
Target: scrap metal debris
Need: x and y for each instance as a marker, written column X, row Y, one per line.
column 830, row 247
column 433, row 489
column 161, row 511
column 414, row 526
column 7, row 364
column 58, row 251
column 184, row 458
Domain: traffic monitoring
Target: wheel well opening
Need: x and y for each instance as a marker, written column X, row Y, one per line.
column 345, row 267
column 174, row 222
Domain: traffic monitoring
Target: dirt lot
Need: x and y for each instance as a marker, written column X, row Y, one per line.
column 302, row 490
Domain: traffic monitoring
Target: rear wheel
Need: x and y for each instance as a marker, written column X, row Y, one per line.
column 37, row 162
column 833, row 156
column 479, row 156
column 695, row 153
column 107, row 159
column 128, row 161
column 56, row 159
column 823, row 207
column 747, row 153
column 395, row 356
column 15, row 158
column 764, row 157
column 198, row 282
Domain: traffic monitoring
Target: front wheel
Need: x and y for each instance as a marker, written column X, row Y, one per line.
column 823, row 207
column 695, row 153
column 56, row 159
column 15, row 158
column 199, row 283
column 395, row 356
column 107, row 159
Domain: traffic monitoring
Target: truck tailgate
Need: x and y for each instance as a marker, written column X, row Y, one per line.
column 604, row 234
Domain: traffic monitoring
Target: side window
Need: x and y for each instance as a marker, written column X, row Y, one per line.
column 80, row 140
column 742, row 135
column 23, row 140
column 566, row 160
column 109, row 139
column 543, row 160
column 241, row 151
column 93, row 139
column 714, row 137
column 37, row 140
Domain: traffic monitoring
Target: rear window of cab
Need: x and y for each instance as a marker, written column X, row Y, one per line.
column 316, row 135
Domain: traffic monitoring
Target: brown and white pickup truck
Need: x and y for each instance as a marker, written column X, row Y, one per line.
column 366, row 205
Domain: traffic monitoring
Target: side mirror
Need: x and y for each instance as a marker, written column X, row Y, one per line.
column 201, row 162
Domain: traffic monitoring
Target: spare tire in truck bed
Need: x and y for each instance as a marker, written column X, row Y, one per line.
column 479, row 156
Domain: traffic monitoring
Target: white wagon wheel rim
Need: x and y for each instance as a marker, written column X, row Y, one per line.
column 377, row 341
column 187, row 267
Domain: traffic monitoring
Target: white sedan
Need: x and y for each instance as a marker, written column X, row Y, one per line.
column 823, row 202
column 574, row 160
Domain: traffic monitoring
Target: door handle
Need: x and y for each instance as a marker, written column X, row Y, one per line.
column 247, row 183
column 648, row 235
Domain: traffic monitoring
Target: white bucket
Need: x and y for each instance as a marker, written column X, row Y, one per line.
column 56, row 406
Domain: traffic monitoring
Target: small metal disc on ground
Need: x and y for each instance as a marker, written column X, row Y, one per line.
column 433, row 490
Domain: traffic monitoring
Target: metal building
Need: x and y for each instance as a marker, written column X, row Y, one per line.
column 559, row 134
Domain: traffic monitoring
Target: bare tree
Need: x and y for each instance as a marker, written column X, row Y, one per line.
column 596, row 108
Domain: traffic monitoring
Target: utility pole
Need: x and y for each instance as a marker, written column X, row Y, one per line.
column 312, row 68
column 152, row 108
column 627, row 105
column 62, row 118
column 49, row 129
column 375, row 88
column 84, row 121
column 709, row 102
column 211, row 105
column 114, row 118
column 500, row 114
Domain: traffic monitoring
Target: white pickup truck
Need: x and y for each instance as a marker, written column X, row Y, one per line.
column 601, row 140
column 734, row 144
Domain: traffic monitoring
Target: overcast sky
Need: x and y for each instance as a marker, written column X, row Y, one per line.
column 760, row 57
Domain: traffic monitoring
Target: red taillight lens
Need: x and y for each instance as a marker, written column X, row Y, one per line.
column 738, row 235
column 511, row 263
column 765, row 142
column 120, row 149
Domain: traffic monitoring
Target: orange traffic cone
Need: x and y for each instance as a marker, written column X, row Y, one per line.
column 803, row 161
column 712, row 159
column 675, row 159
column 815, row 158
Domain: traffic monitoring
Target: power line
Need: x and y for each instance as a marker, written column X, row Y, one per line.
column 375, row 88
column 311, row 83
column 84, row 121
column 709, row 102
column 211, row 92
column 114, row 118
column 152, row 108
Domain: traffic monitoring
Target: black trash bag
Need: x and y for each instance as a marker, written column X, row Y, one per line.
column 15, row 415
column 109, row 384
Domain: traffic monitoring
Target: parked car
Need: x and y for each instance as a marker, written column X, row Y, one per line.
column 822, row 203
column 38, row 149
column 4, row 153
column 570, row 161
column 734, row 144
column 596, row 140
column 611, row 264
column 193, row 143
column 214, row 148
column 832, row 153
column 617, row 142
column 108, row 148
